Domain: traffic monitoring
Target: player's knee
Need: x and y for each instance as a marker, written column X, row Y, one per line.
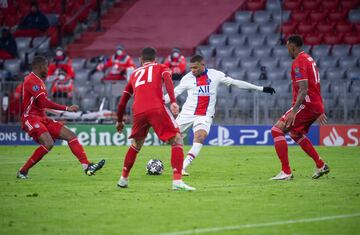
column 200, row 137
column 49, row 144
column 276, row 131
column 176, row 140
column 71, row 135
column 137, row 144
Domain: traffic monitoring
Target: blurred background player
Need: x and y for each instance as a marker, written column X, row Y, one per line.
column 61, row 62
column 149, row 110
column 307, row 107
column 118, row 67
column 199, row 108
column 176, row 62
column 43, row 129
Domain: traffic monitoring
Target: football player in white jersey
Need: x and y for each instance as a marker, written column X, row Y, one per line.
column 199, row 108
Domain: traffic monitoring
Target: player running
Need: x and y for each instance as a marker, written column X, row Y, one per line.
column 149, row 110
column 43, row 129
column 307, row 107
column 199, row 108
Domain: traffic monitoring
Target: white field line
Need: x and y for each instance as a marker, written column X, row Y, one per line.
column 270, row 224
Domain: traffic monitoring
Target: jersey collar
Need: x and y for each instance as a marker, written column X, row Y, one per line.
column 37, row 76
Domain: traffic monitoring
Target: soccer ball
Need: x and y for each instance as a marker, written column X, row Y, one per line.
column 155, row 167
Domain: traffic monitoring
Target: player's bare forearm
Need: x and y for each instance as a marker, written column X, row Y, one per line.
column 303, row 90
column 169, row 87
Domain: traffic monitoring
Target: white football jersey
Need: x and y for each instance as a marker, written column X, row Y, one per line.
column 202, row 91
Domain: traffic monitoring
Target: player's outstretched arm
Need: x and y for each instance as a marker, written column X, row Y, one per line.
column 169, row 86
column 46, row 103
column 246, row 85
column 122, row 105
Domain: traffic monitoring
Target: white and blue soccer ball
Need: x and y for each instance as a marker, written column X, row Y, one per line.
column 155, row 167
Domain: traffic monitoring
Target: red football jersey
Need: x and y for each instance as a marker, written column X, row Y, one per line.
column 304, row 68
column 146, row 85
column 32, row 89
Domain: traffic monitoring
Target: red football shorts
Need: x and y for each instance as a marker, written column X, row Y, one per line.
column 36, row 126
column 159, row 119
column 303, row 120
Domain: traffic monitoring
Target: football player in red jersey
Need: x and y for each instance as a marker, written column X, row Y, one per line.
column 43, row 129
column 307, row 107
column 149, row 110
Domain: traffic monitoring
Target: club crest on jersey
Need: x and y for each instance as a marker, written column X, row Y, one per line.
column 36, row 88
column 297, row 73
column 36, row 125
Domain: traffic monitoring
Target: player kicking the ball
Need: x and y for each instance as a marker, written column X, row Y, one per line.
column 307, row 107
column 149, row 110
column 199, row 108
column 42, row 129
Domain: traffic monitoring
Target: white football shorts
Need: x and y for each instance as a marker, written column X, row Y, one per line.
column 197, row 122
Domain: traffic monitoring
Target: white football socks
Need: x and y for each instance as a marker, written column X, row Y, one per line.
column 194, row 151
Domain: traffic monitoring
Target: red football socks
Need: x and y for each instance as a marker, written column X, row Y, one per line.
column 281, row 148
column 78, row 150
column 129, row 161
column 35, row 158
column 309, row 149
column 177, row 158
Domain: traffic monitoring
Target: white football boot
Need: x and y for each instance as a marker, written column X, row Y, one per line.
column 180, row 185
column 282, row 176
column 123, row 182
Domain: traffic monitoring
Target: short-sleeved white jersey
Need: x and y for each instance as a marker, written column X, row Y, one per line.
column 202, row 91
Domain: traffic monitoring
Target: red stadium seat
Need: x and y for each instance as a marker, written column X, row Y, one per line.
column 332, row 38
column 352, row 38
column 299, row 15
column 349, row 4
column 255, row 5
column 305, row 27
column 288, row 27
column 329, row 4
column 344, row 27
column 291, row 4
column 325, row 27
column 337, row 15
column 310, row 5
column 318, row 15
column 312, row 39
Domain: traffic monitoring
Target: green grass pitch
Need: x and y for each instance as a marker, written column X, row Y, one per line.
column 234, row 194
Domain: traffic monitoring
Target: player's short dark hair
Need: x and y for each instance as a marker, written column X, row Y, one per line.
column 148, row 54
column 196, row 58
column 38, row 61
column 296, row 40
